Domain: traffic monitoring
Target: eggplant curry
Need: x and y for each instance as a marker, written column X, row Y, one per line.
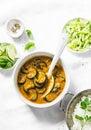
column 33, row 80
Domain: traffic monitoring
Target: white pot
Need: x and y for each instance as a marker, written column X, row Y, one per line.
column 16, row 71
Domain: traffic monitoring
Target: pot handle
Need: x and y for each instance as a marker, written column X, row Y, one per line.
column 64, row 102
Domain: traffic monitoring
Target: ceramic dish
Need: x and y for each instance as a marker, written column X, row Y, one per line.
column 15, row 28
column 35, row 104
column 85, row 21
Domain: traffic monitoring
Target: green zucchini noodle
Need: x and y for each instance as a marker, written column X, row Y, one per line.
column 79, row 31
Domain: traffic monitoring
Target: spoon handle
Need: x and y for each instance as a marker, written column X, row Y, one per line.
column 64, row 39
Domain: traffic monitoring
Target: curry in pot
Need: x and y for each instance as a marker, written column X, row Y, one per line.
column 33, row 81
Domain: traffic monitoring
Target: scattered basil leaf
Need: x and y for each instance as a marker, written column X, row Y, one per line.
column 29, row 33
column 86, row 100
column 86, row 117
column 79, row 117
column 83, row 105
column 29, row 45
column 89, row 108
column 89, row 118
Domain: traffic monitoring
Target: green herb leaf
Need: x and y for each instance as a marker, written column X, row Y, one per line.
column 89, row 118
column 2, row 64
column 7, row 55
column 83, row 105
column 29, row 45
column 9, row 64
column 29, row 33
column 86, row 100
column 79, row 117
column 86, row 117
column 89, row 108
column 6, row 62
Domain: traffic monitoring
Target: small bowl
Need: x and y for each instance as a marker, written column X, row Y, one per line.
column 72, row 104
column 15, row 28
column 23, row 60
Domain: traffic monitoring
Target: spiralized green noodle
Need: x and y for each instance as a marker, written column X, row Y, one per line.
column 79, row 31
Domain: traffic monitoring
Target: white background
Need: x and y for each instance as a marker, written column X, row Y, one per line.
column 46, row 20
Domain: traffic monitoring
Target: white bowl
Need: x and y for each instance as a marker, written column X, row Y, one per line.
column 73, row 51
column 59, row 98
column 10, row 27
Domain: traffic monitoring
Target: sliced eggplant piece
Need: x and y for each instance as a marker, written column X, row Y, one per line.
column 27, row 65
column 41, row 90
column 21, row 78
column 57, row 88
column 42, row 64
column 36, row 60
column 24, row 70
column 33, row 95
column 38, row 85
column 41, row 77
column 50, row 97
column 28, row 85
column 32, row 73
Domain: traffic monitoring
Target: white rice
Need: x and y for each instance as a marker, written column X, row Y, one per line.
column 78, row 111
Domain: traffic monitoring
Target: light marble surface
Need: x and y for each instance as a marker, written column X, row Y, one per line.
column 46, row 20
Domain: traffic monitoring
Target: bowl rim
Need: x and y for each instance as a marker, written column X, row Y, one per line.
column 21, row 62
column 73, row 98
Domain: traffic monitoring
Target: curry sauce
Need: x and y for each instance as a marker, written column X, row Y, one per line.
column 33, row 81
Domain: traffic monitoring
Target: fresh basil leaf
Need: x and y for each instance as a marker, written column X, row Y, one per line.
column 79, row 117
column 86, row 117
column 89, row 101
column 83, row 105
column 5, row 59
column 89, row 118
column 86, row 100
column 29, row 45
column 8, row 65
column 29, row 33
column 89, row 108
column 6, row 62
column 2, row 64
